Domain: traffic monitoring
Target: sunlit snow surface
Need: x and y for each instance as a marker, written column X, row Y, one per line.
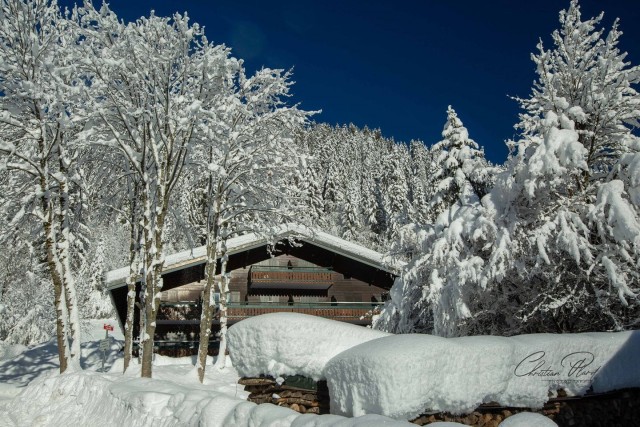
column 368, row 373
column 401, row 376
column 527, row 419
column 292, row 343
column 32, row 393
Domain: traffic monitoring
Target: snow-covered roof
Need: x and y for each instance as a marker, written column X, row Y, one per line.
column 195, row 256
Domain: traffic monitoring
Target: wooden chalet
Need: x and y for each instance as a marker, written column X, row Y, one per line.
column 298, row 270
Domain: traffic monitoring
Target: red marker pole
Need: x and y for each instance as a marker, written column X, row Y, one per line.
column 105, row 343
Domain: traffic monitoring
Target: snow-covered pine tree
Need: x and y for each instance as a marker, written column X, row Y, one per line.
column 351, row 222
column 461, row 173
column 555, row 245
column 397, row 190
column 418, row 182
column 443, row 258
column 586, row 78
column 569, row 220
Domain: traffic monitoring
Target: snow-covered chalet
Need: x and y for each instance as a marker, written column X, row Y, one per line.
column 297, row 269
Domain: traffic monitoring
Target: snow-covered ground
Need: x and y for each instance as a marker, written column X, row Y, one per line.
column 33, row 393
column 371, row 376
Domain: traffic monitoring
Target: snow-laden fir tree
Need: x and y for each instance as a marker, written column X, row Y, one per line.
column 566, row 201
column 555, row 246
column 430, row 295
column 351, row 222
column 461, row 172
column 418, row 182
column 396, row 188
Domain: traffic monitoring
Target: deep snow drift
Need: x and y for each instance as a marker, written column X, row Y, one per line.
column 371, row 376
column 33, row 393
column 291, row 343
column 401, row 376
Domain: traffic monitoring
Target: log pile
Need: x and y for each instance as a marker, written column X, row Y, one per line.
column 613, row 409
column 306, row 400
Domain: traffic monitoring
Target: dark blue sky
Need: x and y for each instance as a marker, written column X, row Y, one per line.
column 396, row 65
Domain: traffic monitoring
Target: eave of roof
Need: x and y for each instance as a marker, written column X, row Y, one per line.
column 117, row 278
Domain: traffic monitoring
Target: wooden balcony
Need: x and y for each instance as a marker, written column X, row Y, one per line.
column 266, row 276
column 189, row 313
column 348, row 312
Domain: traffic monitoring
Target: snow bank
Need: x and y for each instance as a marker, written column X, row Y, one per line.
column 291, row 343
column 403, row 376
column 90, row 398
column 33, row 393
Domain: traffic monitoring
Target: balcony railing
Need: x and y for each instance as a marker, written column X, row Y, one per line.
column 277, row 274
column 329, row 310
column 189, row 313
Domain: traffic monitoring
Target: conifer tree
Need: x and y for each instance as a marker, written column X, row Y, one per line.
column 461, row 170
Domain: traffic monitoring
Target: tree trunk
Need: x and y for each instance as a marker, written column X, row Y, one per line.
column 134, row 265
column 208, row 305
column 131, row 303
column 146, row 289
column 58, row 290
column 155, row 263
column 213, row 248
column 63, row 247
column 53, row 263
column 223, row 284
column 61, row 336
column 128, row 326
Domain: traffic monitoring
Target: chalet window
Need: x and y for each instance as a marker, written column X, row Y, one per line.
column 309, row 298
column 265, row 298
column 234, row 296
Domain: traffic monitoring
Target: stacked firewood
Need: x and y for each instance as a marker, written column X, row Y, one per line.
column 306, row 400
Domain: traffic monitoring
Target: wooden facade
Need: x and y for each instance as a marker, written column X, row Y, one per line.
column 302, row 277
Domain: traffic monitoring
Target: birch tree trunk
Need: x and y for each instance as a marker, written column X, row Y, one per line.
column 146, row 291
column 223, row 285
column 134, row 265
column 208, row 305
column 63, row 255
column 58, row 290
column 155, row 263
column 53, row 263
